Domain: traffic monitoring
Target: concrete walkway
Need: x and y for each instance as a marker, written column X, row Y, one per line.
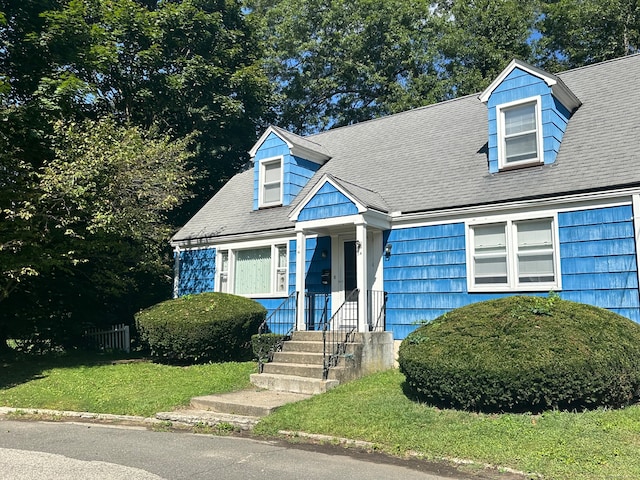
column 242, row 409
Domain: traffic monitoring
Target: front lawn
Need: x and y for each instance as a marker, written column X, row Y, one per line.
column 557, row 445
column 96, row 384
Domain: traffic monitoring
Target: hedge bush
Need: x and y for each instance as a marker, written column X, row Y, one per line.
column 521, row 353
column 207, row 327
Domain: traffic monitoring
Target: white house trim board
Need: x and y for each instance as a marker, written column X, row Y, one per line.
column 502, row 137
column 294, row 148
column 559, row 89
column 301, row 247
column 511, row 253
column 176, row 269
column 562, row 203
column 636, row 228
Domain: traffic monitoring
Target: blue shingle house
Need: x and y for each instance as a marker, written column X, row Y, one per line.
column 530, row 187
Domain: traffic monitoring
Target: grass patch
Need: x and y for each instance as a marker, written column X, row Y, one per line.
column 95, row 384
column 559, row 445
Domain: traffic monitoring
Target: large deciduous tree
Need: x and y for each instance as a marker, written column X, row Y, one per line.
column 580, row 32
column 336, row 62
column 166, row 88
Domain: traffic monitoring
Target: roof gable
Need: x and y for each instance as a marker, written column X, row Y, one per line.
column 557, row 86
column 298, row 146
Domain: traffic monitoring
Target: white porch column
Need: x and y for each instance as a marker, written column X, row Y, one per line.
column 362, row 275
column 636, row 229
column 301, row 247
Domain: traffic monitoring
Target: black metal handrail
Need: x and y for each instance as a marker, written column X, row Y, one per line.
column 338, row 331
column 280, row 323
column 376, row 310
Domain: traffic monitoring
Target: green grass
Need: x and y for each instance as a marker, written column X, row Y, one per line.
column 601, row 444
column 559, row 445
column 93, row 385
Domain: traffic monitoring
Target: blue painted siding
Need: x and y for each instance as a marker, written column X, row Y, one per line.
column 296, row 171
column 328, row 202
column 196, row 271
column 426, row 275
column 519, row 85
column 597, row 254
column 314, row 264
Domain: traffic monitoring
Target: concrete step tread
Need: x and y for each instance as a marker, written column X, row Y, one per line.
column 250, row 402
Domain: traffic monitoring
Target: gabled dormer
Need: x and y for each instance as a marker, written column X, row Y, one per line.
column 528, row 113
column 283, row 164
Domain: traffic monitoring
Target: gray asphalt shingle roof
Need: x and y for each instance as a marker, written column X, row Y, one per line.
column 435, row 157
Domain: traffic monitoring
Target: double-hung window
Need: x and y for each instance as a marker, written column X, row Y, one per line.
column 253, row 271
column 271, row 182
column 513, row 255
column 520, row 133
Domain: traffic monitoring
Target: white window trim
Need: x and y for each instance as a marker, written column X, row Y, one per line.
column 502, row 163
column 261, row 184
column 233, row 248
column 512, row 284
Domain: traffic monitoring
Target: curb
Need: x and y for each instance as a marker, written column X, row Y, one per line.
column 80, row 415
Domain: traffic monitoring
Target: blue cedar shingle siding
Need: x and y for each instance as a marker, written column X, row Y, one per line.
column 598, row 262
column 296, row 171
column 196, row 271
column 426, row 275
column 519, row 85
column 328, row 202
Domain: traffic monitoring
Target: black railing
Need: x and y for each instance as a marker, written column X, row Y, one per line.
column 376, row 310
column 316, row 310
column 338, row 331
column 275, row 330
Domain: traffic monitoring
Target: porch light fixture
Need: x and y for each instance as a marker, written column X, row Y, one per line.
column 387, row 251
column 324, row 254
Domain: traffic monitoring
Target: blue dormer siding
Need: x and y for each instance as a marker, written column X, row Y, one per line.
column 328, row 202
column 519, row 85
column 296, row 171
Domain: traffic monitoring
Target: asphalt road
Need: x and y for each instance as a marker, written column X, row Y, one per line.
column 61, row 450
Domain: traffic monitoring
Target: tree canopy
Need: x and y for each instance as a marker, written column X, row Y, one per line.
column 119, row 118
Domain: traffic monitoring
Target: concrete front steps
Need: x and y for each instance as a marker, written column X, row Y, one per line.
column 242, row 409
column 298, row 368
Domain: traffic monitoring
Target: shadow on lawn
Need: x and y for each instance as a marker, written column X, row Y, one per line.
column 17, row 368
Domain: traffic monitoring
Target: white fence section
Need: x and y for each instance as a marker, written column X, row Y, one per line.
column 118, row 338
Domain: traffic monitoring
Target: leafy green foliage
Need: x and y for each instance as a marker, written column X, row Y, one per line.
column 524, row 354
column 102, row 226
column 265, row 344
column 580, row 32
column 201, row 328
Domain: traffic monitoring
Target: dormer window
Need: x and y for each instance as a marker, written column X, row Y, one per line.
column 520, row 127
column 271, row 182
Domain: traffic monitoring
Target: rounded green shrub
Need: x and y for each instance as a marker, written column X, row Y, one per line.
column 207, row 327
column 524, row 354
